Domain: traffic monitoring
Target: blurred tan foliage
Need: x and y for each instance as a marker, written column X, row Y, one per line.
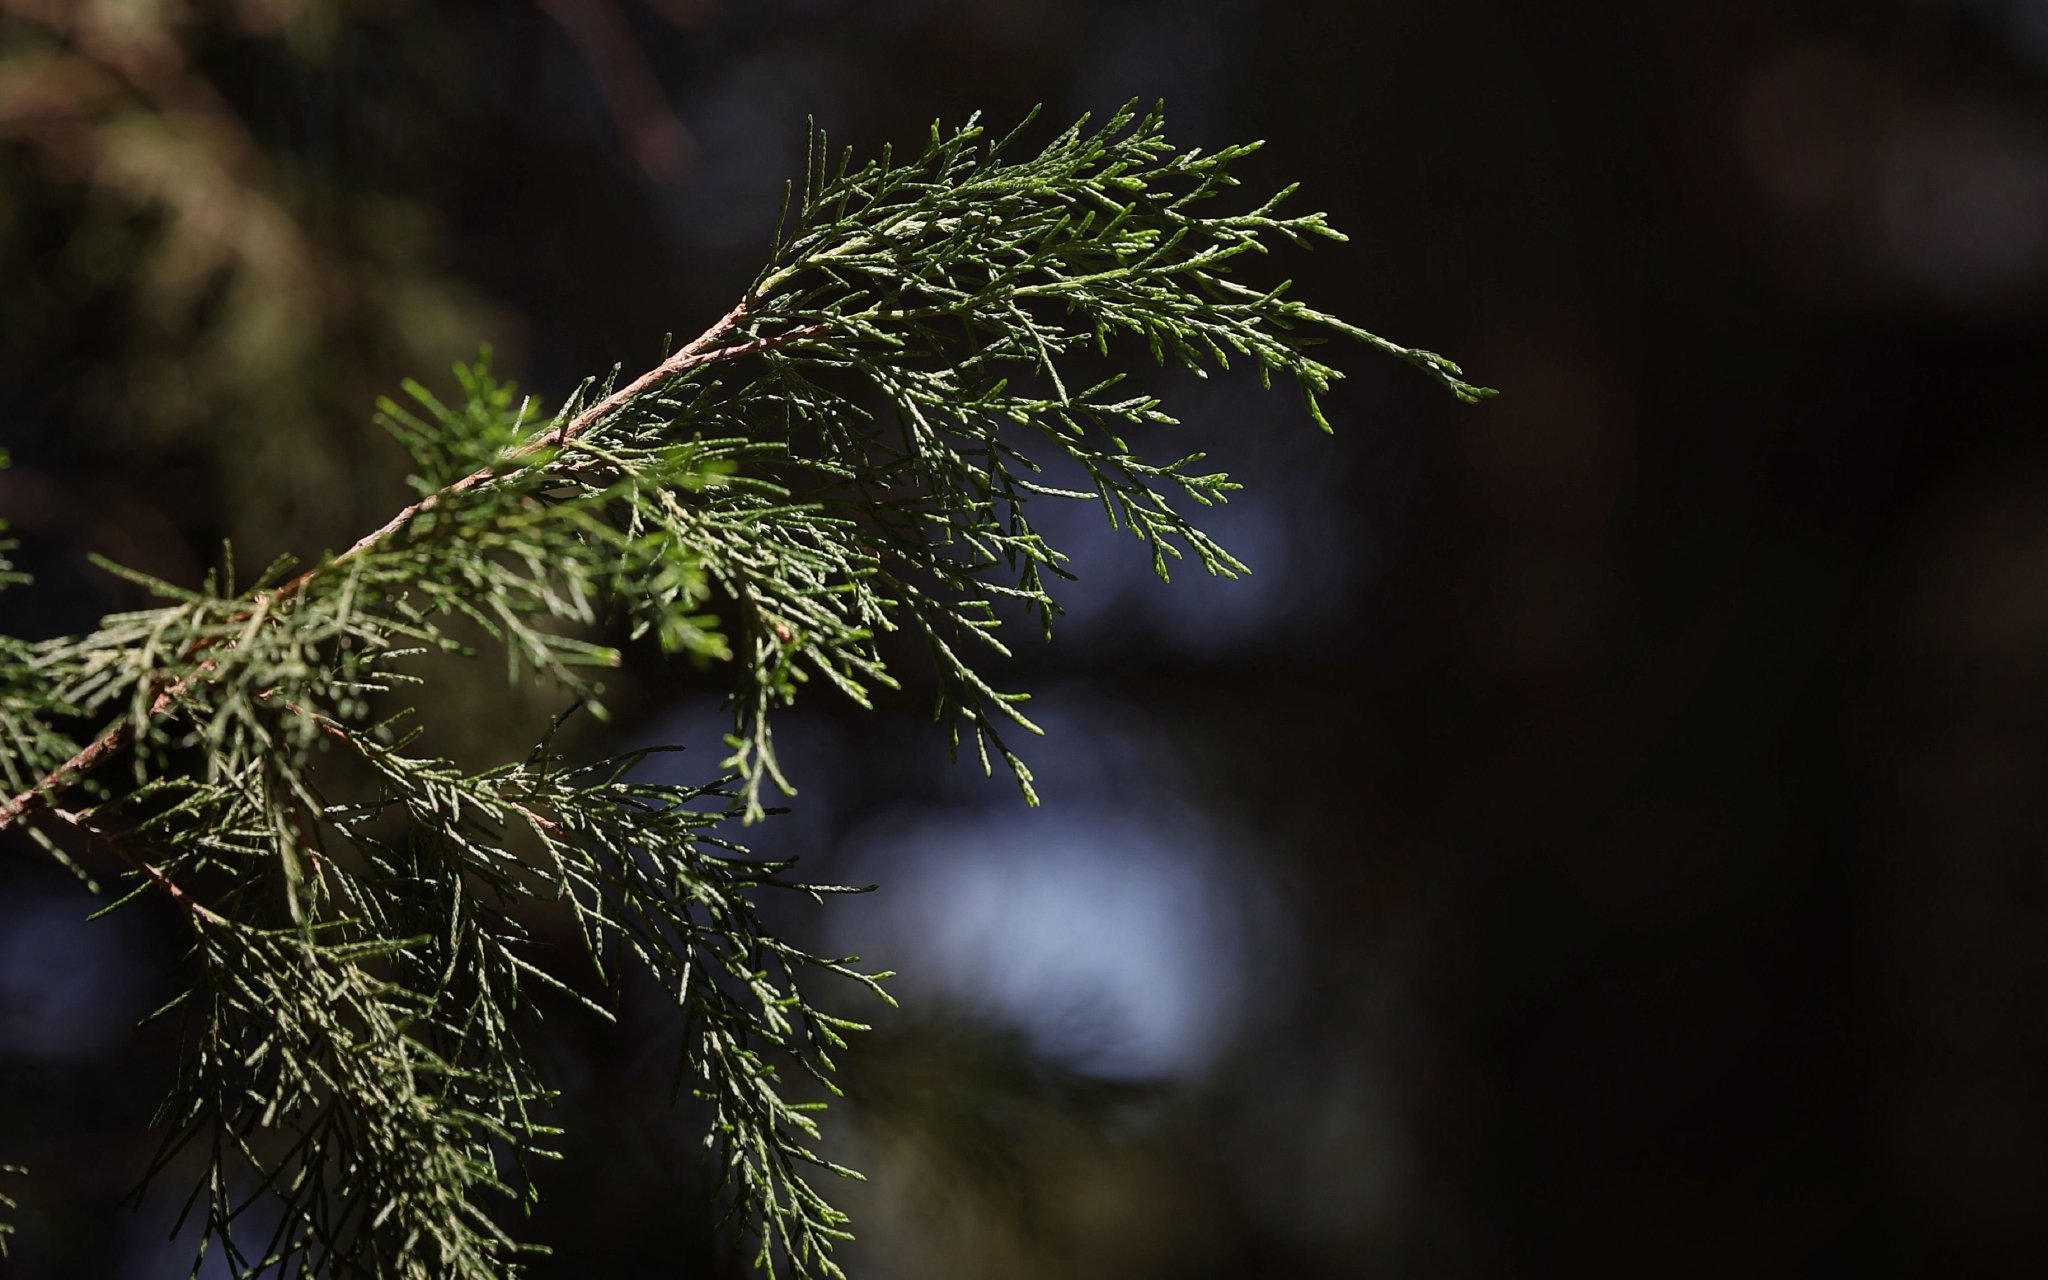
column 261, row 306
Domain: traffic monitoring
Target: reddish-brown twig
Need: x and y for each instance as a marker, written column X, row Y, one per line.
column 172, row 889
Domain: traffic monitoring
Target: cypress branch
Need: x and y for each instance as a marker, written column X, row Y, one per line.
column 838, row 460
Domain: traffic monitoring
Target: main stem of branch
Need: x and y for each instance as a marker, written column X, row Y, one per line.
column 702, row 350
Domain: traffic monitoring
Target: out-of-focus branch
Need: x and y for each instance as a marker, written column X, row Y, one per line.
column 647, row 128
column 686, row 13
column 210, row 184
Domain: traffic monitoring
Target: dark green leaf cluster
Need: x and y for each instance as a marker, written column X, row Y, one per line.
column 843, row 466
column 964, row 301
column 348, row 1118
column 651, row 883
column 366, row 1076
column 930, row 343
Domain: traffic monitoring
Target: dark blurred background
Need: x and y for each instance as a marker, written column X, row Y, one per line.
column 1604, row 837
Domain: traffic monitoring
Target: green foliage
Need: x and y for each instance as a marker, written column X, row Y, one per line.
column 961, row 293
column 838, row 466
